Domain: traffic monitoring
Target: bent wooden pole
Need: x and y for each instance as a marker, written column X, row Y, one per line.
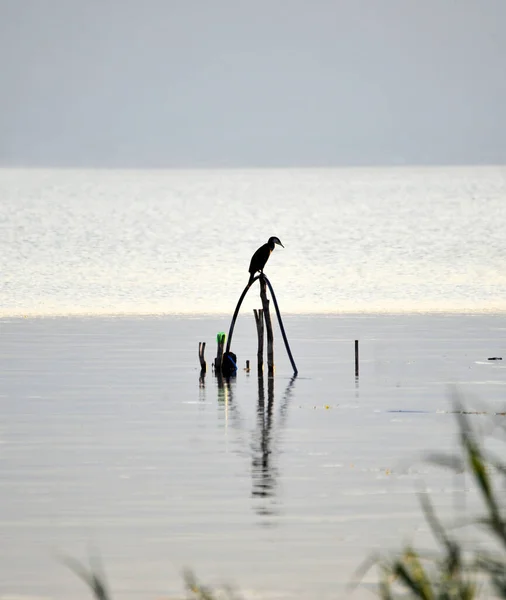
column 295, row 371
column 236, row 312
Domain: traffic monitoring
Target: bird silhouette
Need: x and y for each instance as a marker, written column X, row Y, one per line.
column 261, row 256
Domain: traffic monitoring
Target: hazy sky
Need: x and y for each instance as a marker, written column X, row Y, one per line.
column 252, row 83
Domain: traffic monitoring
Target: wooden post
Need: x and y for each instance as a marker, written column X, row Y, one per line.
column 356, row 358
column 259, row 320
column 268, row 326
column 220, row 338
column 203, row 366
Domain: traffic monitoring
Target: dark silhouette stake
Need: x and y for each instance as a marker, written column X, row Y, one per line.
column 259, row 320
column 203, row 366
column 356, row 358
column 268, row 326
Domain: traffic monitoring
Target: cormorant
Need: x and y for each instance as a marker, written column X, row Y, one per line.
column 261, row 256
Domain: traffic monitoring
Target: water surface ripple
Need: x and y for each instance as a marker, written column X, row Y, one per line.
column 156, row 241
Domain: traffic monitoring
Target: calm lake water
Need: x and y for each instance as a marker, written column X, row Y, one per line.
column 398, row 239
column 111, row 444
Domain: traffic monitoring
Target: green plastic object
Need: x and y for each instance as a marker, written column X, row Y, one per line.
column 220, row 338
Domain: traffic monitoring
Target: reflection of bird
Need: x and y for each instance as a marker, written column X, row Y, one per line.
column 261, row 256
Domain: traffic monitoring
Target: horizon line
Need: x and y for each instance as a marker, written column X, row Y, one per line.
column 251, row 167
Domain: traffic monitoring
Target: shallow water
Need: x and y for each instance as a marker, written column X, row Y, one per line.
column 113, row 242
column 110, row 444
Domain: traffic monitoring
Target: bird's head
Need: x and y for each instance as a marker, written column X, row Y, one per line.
column 273, row 241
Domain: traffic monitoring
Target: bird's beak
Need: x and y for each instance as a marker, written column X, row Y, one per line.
column 280, row 244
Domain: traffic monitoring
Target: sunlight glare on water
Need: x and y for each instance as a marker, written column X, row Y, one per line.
column 160, row 241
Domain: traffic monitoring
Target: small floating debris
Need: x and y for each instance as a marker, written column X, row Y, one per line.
column 495, row 358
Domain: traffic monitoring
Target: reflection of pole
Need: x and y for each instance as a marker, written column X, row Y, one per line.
column 295, row 371
column 268, row 327
column 264, row 448
column 262, row 470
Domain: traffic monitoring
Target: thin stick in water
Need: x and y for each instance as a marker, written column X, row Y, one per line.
column 203, row 366
column 356, row 358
